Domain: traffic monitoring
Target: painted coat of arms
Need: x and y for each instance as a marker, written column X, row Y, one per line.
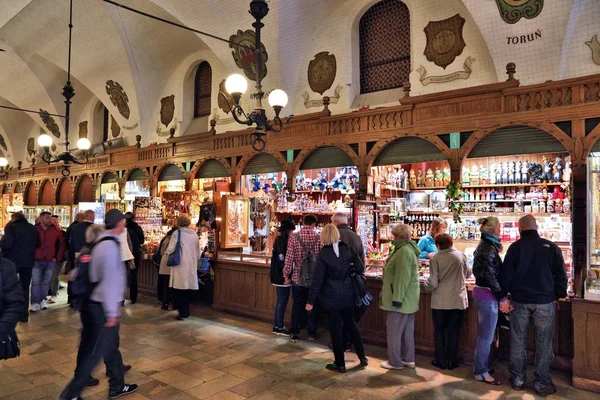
column 83, row 129
column 48, row 120
column 321, row 72
column 244, row 57
column 115, row 129
column 167, row 109
column 118, row 97
column 444, row 40
column 512, row 11
column 31, row 146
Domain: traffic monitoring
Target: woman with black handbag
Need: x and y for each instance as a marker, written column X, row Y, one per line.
column 12, row 307
column 333, row 287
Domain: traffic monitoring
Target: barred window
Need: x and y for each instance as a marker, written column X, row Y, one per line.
column 202, row 90
column 384, row 33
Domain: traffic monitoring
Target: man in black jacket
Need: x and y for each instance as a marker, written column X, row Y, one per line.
column 76, row 237
column 534, row 274
column 12, row 301
column 137, row 240
column 18, row 245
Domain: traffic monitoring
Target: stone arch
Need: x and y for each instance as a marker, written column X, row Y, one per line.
column 200, row 163
column 381, row 144
column 308, row 151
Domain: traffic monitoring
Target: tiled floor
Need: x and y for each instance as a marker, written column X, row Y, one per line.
column 218, row 356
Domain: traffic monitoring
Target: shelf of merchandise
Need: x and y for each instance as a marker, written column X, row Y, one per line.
column 500, row 185
column 496, row 201
column 428, row 188
column 509, row 214
column 305, row 212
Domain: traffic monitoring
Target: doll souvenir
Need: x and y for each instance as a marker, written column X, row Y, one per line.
column 322, row 180
column 535, row 173
column 412, row 179
column 336, row 182
column 447, row 176
column 483, row 175
column 438, row 179
column 511, row 173
column 547, row 170
column 429, row 178
column 524, row 172
column 466, row 175
column 550, row 206
column 566, row 206
column 474, row 178
column 477, row 195
column 518, row 172
column 558, row 170
column 499, row 173
column 492, row 174
column 256, row 184
column 420, row 178
column 504, row 179
column 567, row 172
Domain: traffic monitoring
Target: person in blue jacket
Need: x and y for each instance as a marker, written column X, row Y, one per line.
column 427, row 242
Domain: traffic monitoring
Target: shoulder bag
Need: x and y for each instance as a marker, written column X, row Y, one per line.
column 175, row 257
column 10, row 347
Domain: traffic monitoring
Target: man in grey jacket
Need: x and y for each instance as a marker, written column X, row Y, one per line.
column 100, row 314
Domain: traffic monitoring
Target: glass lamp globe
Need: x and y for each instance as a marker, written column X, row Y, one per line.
column 3, row 162
column 83, row 144
column 236, row 83
column 278, row 98
column 45, row 140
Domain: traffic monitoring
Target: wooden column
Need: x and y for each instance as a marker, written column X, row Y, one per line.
column 579, row 205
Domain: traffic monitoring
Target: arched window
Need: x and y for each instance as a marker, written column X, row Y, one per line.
column 384, row 33
column 104, row 124
column 202, row 89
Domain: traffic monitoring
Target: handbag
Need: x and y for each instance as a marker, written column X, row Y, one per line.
column 175, row 257
column 362, row 296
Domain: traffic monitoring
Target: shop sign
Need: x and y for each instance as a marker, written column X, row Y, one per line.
column 530, row 37
column 464, row 74
column 455, row 140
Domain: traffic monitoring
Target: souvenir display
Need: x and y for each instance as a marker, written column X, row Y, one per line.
column 235, row 214
column 149, row 216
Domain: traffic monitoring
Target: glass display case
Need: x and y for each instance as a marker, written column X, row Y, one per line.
column 592, row 282
column 365, row 222
column 64, row 215
column 148, row 215
column 235, row 222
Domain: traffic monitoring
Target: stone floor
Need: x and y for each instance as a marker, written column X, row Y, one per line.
column 218, row 356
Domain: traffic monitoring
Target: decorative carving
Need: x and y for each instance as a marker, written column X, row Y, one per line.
column 167, row 109
column 31, row 146
column 244, row 57
column 224, row 99
column 321, row 72
column 512, row 11
column 426, row 80
column 594, row 45
column 318, row 103
column 444, row 40
column 48, row 120
column 114, row 127
column 118, row 97
column 83, row 129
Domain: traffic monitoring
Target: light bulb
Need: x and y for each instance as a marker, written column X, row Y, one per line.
column 3, row 162
column 278, row 98
column 45, row 140
column 83, row 144
column 236, row 83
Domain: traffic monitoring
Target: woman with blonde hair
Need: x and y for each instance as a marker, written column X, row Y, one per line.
column 487, row 294
column 332, row 287
column 184, row 276
column 400, row 298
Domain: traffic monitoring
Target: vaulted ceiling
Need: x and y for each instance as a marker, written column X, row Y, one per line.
column 151, row 60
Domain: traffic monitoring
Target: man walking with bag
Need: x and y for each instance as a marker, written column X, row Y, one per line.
column 300, row 262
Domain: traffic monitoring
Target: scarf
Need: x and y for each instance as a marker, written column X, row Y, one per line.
column 496, row 241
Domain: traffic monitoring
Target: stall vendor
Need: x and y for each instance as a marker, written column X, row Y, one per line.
column 427, row 241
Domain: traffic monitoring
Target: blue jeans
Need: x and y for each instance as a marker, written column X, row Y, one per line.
column 283, row 294
column 41, row 275
column 543, row 322
column 487, row 313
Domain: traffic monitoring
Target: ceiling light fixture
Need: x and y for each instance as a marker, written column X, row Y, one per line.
column 3, row 167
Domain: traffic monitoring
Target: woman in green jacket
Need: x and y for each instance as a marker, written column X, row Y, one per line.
column 400, row 298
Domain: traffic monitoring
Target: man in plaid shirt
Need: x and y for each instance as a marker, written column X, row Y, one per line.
column 293, row 260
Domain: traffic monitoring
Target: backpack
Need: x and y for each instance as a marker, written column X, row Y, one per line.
column 81, row 286
column 307, row 267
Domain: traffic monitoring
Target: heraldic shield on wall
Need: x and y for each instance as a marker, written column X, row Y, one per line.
column 321, row 72
column 167, row 110
column 225, row 100
column 48, row 120
column 244, row 56
column 512, row 11
column 118, row 97
column 444, row 40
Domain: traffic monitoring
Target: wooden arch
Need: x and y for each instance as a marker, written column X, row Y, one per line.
column 51, row 197
column 585, row 145
column 29, row 185
column 108, row 171
column 246, row 159
column 304, row 154
column 77, row 185
column 381, row 144
column 130, row 171
column 160, row 169
column 59, row 188
column 199, row 163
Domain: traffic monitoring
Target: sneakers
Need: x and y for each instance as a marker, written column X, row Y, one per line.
column 35, row 307
column 294, row 338
column 387, row 365
column 127, row 389
column 313, row 336
column 52, row 300
column 44, row 305
column 280, row 331
column 406, row 364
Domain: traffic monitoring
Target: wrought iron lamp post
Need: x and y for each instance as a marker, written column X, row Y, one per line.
column 237, row 85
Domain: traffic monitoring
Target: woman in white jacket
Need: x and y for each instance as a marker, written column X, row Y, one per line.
column 184, row 277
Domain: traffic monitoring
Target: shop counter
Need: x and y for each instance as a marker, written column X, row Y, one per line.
column 244, row 288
